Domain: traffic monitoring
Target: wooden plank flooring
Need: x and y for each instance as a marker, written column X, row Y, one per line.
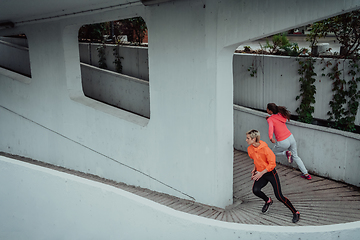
column 320, row 201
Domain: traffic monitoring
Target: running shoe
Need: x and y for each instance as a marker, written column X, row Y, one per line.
column 296, row 217
column 307, row 177
column 289, row 156
column 266, row 206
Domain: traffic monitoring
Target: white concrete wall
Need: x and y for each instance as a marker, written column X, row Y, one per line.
column 134, row 62
column 277, row 80
column 40, row 203
column 189, row 110
column 14, row 40
column 14, row 57
column 186, row 148
column 128, row 93
column 326, row 152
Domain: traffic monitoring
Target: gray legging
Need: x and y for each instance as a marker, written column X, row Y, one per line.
column 289, row 144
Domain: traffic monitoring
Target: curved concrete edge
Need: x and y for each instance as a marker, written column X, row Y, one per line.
column 15, row 76
column 40, row 203
column 116, row 112
column 116, row 74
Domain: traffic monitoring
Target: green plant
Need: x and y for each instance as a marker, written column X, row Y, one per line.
column 102, row 56
column 345, row 27
column 314, row 34
column 281, row 45
column 353, row 95
column 292, row 49
column 94, row 32
column 117, row 60
column 247, row 48
column 307, row 90
column 136, row 28
column 278, row 41
column 337, row 104
column 252, row 69
column 345, row 102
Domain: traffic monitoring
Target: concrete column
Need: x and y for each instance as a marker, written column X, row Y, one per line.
column 191, row 99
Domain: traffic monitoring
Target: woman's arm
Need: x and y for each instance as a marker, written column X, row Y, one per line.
column 258, row 175
column 271, row 159
column 253, row 172
column 271, row 129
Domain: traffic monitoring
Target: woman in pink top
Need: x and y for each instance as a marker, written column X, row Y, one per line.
column 285, row 141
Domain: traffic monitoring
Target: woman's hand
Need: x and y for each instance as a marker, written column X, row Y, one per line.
column 272, row 140
column 253, row 172
column 257, row 176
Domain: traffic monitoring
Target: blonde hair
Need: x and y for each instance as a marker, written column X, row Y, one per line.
column 254, row 134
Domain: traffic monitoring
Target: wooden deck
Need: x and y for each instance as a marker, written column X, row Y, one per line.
column 320, row 201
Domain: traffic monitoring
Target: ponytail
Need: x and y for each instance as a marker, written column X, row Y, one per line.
column 279, row 109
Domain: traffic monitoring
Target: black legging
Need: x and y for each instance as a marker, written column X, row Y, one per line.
column 273, row 178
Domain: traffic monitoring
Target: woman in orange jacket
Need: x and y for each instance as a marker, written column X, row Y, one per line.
column 264, row 172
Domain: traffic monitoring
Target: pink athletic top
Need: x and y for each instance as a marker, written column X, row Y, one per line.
column 277, row 125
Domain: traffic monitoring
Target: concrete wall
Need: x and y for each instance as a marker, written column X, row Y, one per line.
column 119, row 90
column 49, row 204
column 116, row 89
column 326, row 152
column 186, row 147
column 277, row 80
column 134, row 62
column 14, row 56
column 16, row 41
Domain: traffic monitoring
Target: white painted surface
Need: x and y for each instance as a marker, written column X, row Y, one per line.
column 277, row 81
column 128, row 93
column 14, row 57
column 22, row 42
column 186, row 148
column 47, row 204
column 44, row 10
column 327, row 152
column 14, row 76
column 134, row 59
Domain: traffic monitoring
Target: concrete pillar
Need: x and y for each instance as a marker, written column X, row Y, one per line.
column 191, row 99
